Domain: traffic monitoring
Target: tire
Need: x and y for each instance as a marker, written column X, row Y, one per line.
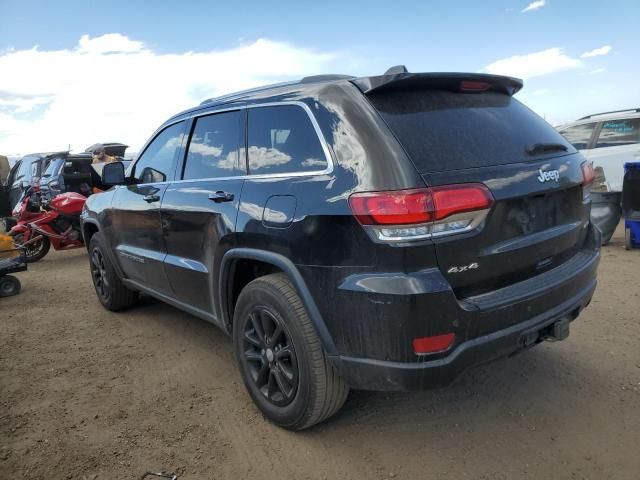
column 628, row 245
column 36, row 251
column 9, row 285
column 111, row 292
column 276, row 346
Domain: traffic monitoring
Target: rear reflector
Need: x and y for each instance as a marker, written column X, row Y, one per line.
column 435, row 344
column 405, row 215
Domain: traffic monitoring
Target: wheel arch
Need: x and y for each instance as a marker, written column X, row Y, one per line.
column 282, row 263
column 89, row 229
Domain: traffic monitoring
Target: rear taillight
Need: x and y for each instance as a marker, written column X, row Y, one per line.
column 406, row 215
column 588, row 177
column 471, row 86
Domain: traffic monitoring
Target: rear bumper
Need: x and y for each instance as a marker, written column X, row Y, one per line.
column 368, row 374
column 374, row 317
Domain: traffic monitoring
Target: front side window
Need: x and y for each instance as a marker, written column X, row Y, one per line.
column 615, row 133
column 213, row 150
column 580, row 135
column 157, row 162
column 281, row 139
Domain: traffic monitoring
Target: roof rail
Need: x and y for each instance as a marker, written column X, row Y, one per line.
column 325, row 78
column 630, row 110
column 230, row 96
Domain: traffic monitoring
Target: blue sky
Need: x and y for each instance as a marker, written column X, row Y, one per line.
column 359, row 38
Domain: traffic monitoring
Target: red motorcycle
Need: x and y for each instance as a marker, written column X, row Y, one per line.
column 44, row 224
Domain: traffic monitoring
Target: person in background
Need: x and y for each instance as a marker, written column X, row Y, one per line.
column 100, row 156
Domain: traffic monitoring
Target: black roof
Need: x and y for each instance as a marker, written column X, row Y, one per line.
column 396, row 77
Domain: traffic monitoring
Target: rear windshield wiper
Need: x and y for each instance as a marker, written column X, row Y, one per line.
column 536, row 148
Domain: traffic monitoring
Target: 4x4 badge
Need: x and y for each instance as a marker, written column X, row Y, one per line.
column 548, row 176
column 463, row 268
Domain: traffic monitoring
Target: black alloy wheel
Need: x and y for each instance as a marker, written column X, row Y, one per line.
column 270, row 356
column 99, row 274
column 110, row 289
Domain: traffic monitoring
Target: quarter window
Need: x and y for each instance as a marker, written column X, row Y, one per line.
column 157, row 162
column 580, row 135
column 281, row 139
column 214, row 146
column 615, row 133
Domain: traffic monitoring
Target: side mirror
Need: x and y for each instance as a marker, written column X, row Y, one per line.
column 113, row 174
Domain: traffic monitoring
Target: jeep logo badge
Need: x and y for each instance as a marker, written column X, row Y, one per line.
column 548, row 176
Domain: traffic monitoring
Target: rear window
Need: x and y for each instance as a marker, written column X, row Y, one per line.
column 53, row 167
column 443, row 130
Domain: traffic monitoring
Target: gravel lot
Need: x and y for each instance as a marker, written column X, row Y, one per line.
column 85, row 393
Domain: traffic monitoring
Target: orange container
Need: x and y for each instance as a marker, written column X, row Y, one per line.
column 7, row 248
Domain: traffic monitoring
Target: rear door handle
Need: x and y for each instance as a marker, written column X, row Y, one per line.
column 221, row 196
column 151, row 198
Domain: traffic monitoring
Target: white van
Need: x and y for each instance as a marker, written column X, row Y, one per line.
column 608, row 140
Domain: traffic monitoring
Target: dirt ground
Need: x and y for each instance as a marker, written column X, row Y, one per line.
column 88, row 394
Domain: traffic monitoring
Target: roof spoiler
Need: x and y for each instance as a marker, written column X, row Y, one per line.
column 441, row 81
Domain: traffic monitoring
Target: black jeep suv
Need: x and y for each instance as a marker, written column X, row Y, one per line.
column 378, row 233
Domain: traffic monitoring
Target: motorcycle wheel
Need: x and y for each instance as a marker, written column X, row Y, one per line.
column 34, row 251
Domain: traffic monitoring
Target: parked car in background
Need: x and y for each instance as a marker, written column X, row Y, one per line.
column 26, row 173
column 76, row 172
column 380, row 233
column 68, row 172
column 609, row 140
column 112, row 149
column 51, row 181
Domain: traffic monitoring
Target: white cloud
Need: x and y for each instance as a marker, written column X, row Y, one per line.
column 534, row 64
column 109, row 43
column 597, row 70
column 113, row 88
column 534, row 6
column 597, row 52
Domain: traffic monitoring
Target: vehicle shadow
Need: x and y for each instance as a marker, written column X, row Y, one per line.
column 546, row 374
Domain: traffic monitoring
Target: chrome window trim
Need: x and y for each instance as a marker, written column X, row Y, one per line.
column 323, row 143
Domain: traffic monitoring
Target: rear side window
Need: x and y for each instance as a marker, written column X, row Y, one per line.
column 580, row 135
column 281, row 139
column 615, row 133
column 442, row 130
column 213, row 150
